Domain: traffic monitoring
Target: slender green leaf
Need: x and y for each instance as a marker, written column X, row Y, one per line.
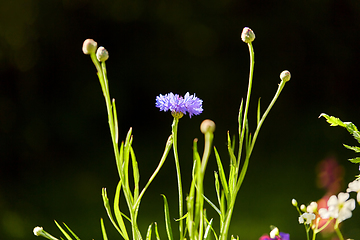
column 240, row 116
column 115, row 122
column 221, row 173
column 148, row 233
column 258, row 113
column 207, row 230
column 118, row 213
column 135, row 173
column 63, row 231
column 212, row 205
column 222, row 207
column 71, row 232
column 103, row 229
column 108, row 210
column 167, row 218
column 157, row 232
column 217, row 186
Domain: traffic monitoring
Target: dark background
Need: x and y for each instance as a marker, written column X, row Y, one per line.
column 55, row 148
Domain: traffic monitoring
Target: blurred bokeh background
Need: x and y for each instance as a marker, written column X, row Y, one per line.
column 55, row 148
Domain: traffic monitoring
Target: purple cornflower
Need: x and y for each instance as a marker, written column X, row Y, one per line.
column 178, row 104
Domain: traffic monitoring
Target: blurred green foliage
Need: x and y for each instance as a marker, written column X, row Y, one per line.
column 55, row 145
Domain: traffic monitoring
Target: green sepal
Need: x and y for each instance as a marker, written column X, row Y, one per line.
column 63, row 231
column 103, row 229
column 167, row 218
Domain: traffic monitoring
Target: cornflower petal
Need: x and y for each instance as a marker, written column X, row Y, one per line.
column 178, row 104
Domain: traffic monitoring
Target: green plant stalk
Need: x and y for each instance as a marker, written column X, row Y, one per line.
column 224, row 229
column 226, row 225
column 178, row 173
column 163, row 158
column 101, row 72
column 200, row 182
column 244, row 118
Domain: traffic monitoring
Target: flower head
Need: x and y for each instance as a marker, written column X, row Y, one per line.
column 178, row 104
column 338, row 207
column 306, row 218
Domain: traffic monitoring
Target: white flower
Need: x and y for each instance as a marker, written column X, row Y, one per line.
column 355, row 187
column 308, row 217
column 338, row 207
column 312, row 207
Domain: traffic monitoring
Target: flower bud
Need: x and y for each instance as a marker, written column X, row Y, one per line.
column 274, row 232
column 102, row 54
column 247, row 35
column 294, row 202
column 285, row 76
column 303, row 208
column 37, row 231
column 89, row 46
column 207, row 126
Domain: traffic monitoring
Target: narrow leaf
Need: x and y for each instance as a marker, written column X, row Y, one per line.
column 108, row 210
column 221, row 173
column 148, row 233
column 115, row 121
column 117, row 212
column 135, row 173
column 103, row 229
column 167, row 218
column 71, row 232
column 258, row 113
column 207, row 230
column 63, row 231
column 157, row 232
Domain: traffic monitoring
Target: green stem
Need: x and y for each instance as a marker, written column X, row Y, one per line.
column 244, row 118
column 248, row 153
column 200, row 181
column 338, row 232
column 177, row 165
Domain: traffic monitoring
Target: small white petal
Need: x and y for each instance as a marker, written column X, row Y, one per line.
column 343, row 197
